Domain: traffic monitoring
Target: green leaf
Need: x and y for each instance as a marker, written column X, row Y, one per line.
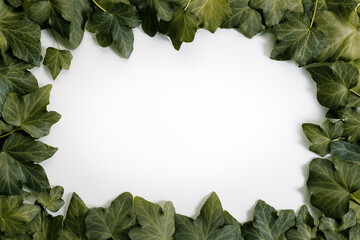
column 82, row 10
column 14, row 77
column 209, row 225
column 51, row 198
column 15, row 3
column 19, row 34
column 342, row 36
column 269, row 224
column 151, row 11
column 114, row 222
column 335, row 229
column 115, row 27
column 53, row 13
column 155, row 222
column 14, row 215
column 56, row 60
column 305, row 228
column 74, row 223
column 230, row 220
column 274, row 10
column 51, row 228
column 211, row 13
column 5, row 128
column 334, row 83
column 296, row 40
column 331, row 184
column 351, row 118
column 321, row 137
column 182, row 28
column 17, row 159
column 346, row 151
column 244, row 18
column 355, row 232
column 29, row 112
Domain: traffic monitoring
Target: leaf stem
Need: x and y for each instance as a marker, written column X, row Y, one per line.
column 357, row 7
column 187, row 5
column 357, row 94
column 354, row 198
column 313, row 18
column 7, row 134
column 57, row 42
column 337, row 139
column 98, row 5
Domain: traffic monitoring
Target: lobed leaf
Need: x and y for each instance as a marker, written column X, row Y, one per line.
column 56, row 60
column 51, row 198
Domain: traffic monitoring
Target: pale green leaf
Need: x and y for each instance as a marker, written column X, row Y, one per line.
column 346, row 151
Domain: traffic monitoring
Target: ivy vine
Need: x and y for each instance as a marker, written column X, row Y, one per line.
column 321, row 35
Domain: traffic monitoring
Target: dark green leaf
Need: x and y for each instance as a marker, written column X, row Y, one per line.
column 335, row 229
column 156, row 223
column 114, row 222
column 182, row 28
column 14, row 77
column 209, row 225
column 20, row 35
column 16, row 3
column 274, row 10
column 56, row 60
column 51, row 198
column 334, row 83
column 305, row 228
column 29, row 112
column 74, row 223
column 351, row 118
column 331, row 184
column 211, row 13
column 354, row 233
column 244, row 18
column 230, row 220
column 51, row 228
column 321, row 137
column 296, row 40
column 14, row 215
column 5, row 128
column 346, row 151
column 115, row 27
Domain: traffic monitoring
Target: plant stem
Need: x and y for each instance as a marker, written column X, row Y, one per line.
column 313, row 18
column 357, row 7
column 357, row 94
column 354, row 198
column 7, row 134
column 98, row 5
column 337, row 139
column 57, row 42
column 187, row 5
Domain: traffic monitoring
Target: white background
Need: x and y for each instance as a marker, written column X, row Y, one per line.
column 219, row 115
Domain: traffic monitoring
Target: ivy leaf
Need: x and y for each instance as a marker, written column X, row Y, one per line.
column 5, row 128
column 209, row 225
column 14, row 215
column 346, row 151
column 53, row 13
column 354, row 232
column 268, row 223
column 342, row 36
column 17, row 164
column 182, row 28
column 15, row 3
column 51, row 198
column 20, row 34
column 297, row 39
column 155, row 222
column 230, row 220
column 305, row 228
column 114, row 222
column 82, row 10
column 331, row 185
column 56, row 60
column 334, row 83
column 115, row 27
column 321, row 137
column 51, row 228
column 274, row 10
column 151, row 11
column 29, row 113
column 74, row 223
column 351, row 118
column 14, row 77
column 211, row 13
column 334, row 229
column 244, row 18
